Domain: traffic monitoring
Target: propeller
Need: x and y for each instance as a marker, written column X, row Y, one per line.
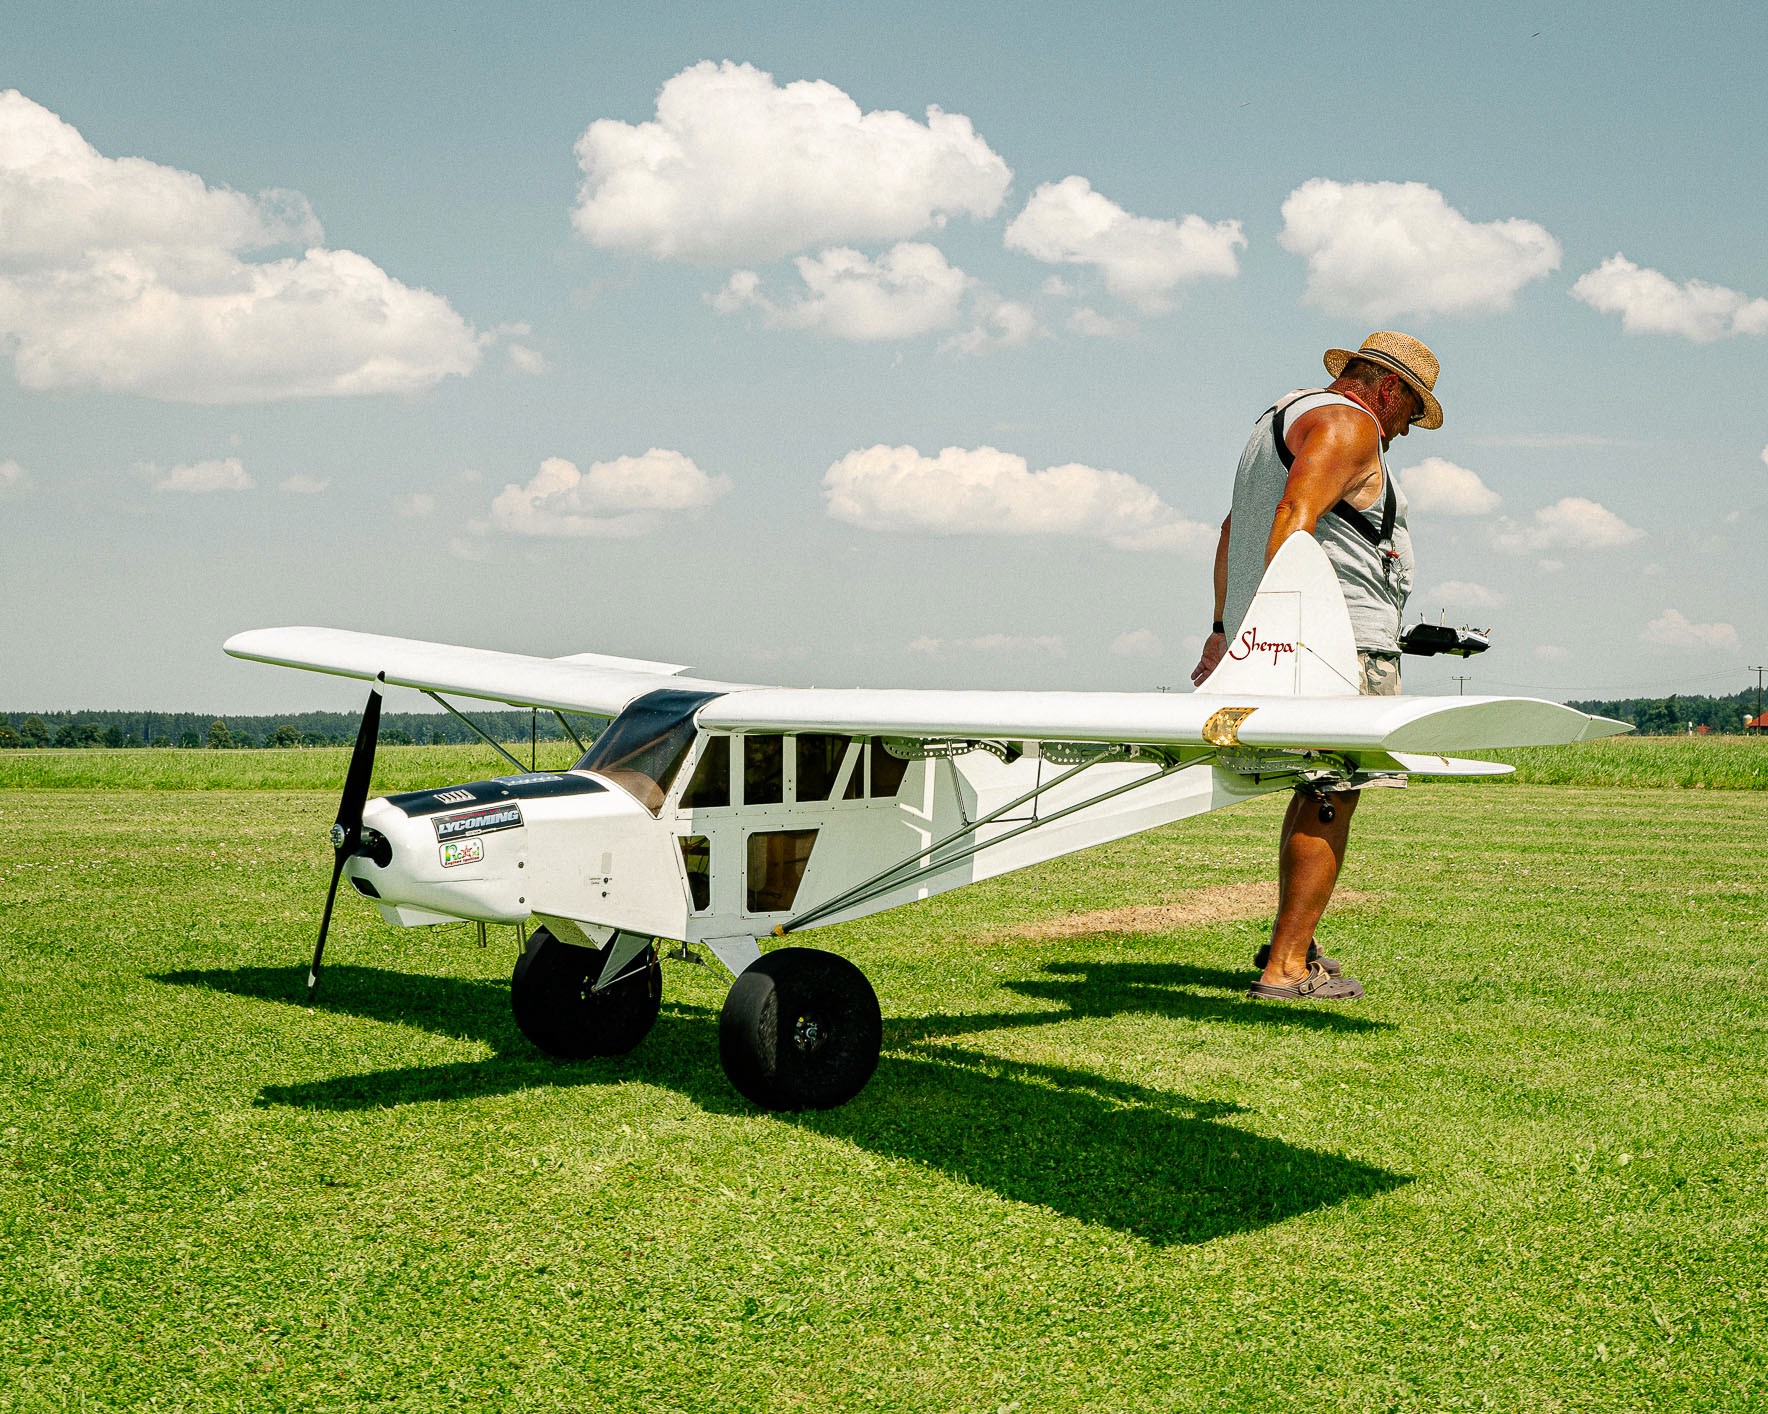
column 346, row 833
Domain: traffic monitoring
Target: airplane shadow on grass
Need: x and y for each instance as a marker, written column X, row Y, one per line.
column 1152, row 1163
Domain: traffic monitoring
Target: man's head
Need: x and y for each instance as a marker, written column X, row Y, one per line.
column 1395, row 375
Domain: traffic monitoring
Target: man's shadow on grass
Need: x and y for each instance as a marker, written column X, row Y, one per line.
column 1161, row 1166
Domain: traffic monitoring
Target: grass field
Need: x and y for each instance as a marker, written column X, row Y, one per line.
column 1529, row 1172
column 1678, row 763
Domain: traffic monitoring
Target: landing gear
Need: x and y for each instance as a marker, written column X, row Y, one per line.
column 800, row 1030
column 557, row 1008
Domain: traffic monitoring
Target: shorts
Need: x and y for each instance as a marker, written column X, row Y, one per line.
column 1381, row 674
column 1380, row 678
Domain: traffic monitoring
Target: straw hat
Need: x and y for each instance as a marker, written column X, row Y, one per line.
column 1407, row 357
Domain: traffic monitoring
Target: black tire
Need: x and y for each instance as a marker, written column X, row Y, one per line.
column 800, row 1030
column 556, row 1010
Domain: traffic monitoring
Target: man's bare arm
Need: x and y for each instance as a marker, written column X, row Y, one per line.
column 1337, row 450
column 1216, row 644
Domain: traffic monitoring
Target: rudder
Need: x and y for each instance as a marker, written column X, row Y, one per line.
column 1296, row 639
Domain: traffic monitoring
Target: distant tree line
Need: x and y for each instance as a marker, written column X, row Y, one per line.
column 1679, row 713
column 125, row 730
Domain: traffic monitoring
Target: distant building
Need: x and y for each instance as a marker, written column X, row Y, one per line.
column 1757, row 724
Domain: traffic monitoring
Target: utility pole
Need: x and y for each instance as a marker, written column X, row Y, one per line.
column 1758, row 670
column 1463, row 679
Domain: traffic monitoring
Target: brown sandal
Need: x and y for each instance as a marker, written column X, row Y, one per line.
column 1263, row 956
column 1318, row 986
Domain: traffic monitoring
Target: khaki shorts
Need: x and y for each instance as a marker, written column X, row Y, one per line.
column 1380, row 678
column 1381, row 674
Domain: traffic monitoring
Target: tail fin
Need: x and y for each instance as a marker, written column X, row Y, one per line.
column 1296, row 639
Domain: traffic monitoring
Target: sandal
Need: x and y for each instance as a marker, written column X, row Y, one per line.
column 1318, row 986
column 1331, row 964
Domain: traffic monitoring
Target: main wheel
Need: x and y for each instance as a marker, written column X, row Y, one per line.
column 556, row 1008
column 800, row 1030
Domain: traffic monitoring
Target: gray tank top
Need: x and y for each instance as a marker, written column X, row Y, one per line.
column 1375, row 579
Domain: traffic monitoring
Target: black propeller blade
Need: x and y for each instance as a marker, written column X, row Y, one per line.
column 346, row 834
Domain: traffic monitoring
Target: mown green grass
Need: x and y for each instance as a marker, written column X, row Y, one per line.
column 1683, row 763
column 1529, row 1172
column 396, row 768
column 1676, row 763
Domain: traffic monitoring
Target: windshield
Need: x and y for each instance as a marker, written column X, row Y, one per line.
column 644, row 746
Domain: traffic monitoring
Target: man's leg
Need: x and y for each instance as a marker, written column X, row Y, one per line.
column 1309, row 856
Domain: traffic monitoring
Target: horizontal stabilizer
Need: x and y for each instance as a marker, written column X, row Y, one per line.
column 1449, row 765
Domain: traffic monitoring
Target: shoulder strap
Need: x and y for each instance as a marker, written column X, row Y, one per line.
column 1344, row 510
column 1359, row 520
column 1281, row 408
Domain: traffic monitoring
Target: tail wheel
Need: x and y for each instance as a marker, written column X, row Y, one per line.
column 557, row 1008
column 800, row 1030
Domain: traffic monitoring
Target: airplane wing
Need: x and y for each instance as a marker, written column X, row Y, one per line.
column 1288, row 683
column 595, row 683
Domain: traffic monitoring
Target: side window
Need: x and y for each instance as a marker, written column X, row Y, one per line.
column 819, row 763
column 856, row 783
column 764, row 770
column 887, row 771
column 696, row 857
column 776, row 868
column 711, row 785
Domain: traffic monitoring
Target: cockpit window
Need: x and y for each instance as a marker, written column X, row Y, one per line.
column 819, row 764
column 644, row 746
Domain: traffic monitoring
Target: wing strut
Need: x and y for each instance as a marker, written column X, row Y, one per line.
column 520, row 768
column 906, row 870
column 570, row 731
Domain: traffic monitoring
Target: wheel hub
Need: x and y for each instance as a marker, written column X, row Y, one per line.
column 808, row 1033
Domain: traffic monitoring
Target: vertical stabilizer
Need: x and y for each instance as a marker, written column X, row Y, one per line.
column 1296, row 639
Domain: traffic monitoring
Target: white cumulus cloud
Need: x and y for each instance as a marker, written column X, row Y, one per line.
column 1142, row 259
column 15, row 482
column 1386, row 250
column 223, row 474
column 995, row 645
column 909, row 290
column 1000, row 324
column 1571, row 523
column 1436, row 486
column 736, row 168
column 1456, row 595
column 1670, row 630
column 124, row 275
column 616, row 500
column 415, row 506
column 1088, row 321
column 989, row 492
column 1650, row 302
column 1138, row 643
column 303, row 484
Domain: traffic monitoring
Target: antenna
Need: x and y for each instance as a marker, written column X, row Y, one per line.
column 1463, row 679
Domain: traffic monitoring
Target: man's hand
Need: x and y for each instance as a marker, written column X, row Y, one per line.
column 1213, row 648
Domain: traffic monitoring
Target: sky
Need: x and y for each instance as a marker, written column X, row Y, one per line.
column 910, row 345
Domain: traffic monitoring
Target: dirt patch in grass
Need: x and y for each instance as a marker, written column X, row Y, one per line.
column 1224, row 903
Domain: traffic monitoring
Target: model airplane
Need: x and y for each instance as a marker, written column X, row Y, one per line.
column 722, row 814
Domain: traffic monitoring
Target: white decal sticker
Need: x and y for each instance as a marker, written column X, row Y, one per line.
column 469, row 851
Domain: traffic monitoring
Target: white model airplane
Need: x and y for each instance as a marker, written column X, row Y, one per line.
column 721, row 814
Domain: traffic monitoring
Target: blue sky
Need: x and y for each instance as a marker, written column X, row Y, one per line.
column 473, row 371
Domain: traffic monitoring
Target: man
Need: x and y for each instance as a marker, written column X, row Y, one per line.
column 1314, row 463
